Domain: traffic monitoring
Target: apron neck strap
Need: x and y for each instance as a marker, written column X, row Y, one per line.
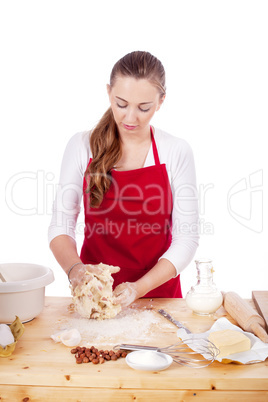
column 156, row 157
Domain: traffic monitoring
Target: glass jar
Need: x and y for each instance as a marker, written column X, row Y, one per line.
column 204, row 298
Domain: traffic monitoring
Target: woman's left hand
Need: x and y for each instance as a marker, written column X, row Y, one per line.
column 126, row 293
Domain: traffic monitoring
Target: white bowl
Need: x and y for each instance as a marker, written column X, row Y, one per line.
column 23, row 293
column 148, row 360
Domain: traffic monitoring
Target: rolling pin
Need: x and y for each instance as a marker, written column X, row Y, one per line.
column 245, row 315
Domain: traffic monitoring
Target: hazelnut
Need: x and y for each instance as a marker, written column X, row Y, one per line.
column 85, row 355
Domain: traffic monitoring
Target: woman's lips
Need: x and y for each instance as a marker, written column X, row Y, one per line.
column 129, row 127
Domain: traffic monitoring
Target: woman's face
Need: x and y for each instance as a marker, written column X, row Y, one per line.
column 133, row 102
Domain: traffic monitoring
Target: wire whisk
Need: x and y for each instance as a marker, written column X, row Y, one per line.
column 191, row 352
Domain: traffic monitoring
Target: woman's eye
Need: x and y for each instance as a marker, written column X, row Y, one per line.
column 124, row 106
column 144, row 110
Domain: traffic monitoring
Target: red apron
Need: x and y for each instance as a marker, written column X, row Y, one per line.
column 132, row 226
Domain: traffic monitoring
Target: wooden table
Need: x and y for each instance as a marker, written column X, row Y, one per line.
column 41, row 369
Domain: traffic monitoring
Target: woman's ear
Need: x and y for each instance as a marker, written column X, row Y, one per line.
column 161, row 100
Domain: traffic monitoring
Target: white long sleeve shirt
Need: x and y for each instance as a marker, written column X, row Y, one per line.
column 172, row 151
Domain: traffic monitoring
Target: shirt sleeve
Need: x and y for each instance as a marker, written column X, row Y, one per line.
column 66, row 206
column 185, row 218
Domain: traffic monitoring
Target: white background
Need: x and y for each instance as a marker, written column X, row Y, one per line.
column 56, row 58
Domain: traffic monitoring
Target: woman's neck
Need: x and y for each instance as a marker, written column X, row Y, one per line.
column 134, row 151
column 136, row 139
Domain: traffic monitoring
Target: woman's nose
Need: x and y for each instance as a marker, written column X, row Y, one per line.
column 131, row 115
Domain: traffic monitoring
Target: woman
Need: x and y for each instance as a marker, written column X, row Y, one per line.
column 139, row 191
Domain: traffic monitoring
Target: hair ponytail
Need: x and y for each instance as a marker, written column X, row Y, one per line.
column 105, row 146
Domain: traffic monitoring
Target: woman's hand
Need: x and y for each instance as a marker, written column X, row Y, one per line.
column 78, row 276
column 126, row 293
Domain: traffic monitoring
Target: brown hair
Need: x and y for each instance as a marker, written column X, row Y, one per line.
column 105, row 141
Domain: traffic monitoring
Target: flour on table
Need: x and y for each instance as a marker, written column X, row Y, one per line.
column 131, row 325
column 94, row 299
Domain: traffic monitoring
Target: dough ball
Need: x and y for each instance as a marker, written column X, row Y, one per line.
column 95, row 299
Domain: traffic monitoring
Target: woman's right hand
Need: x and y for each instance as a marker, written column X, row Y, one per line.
column 78, row 276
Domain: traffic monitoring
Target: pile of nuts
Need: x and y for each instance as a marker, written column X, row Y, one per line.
column 87, row 355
